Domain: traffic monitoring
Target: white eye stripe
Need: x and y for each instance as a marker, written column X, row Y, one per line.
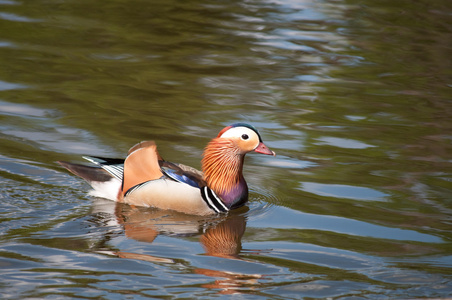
column 238, row 132
column 248, row 137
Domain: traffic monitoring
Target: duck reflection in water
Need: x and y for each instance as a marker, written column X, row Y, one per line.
column 220, row 236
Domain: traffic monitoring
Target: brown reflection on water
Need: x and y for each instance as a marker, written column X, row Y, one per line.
column 220, row 236
column 225, row 239
column 230, row 283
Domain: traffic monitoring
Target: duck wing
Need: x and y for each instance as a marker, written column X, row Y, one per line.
column 141, row 165
column 144, row 164
column 182, row 173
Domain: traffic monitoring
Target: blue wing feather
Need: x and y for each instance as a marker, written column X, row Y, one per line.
column 182, row 173
column 181, row 177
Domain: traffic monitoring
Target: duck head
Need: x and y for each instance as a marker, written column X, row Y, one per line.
column 223, row 159
column 245, row 138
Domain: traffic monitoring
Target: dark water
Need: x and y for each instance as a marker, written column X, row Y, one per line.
column 354, row 96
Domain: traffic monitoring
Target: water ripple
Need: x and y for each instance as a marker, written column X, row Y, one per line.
column 343, row 191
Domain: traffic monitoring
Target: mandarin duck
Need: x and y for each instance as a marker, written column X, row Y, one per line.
column 144, row 178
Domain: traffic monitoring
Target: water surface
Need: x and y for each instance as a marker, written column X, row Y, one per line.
column 354, row 97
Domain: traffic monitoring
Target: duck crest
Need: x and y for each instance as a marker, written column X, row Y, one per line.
column 222, row 165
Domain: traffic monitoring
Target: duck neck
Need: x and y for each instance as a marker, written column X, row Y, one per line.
column 222, row 165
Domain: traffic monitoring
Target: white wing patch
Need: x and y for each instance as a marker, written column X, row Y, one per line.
column 107, row 189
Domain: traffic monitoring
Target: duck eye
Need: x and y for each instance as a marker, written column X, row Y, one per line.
column 245, row 137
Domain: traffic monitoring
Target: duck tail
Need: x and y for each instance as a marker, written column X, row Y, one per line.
column 104, row 184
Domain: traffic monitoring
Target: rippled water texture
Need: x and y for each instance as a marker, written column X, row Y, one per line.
column 353, row 96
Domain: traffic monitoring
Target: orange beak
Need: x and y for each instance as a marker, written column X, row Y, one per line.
column 261, row 148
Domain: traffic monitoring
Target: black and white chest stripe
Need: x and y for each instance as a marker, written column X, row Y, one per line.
column 213, row 201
